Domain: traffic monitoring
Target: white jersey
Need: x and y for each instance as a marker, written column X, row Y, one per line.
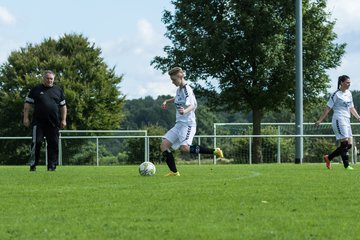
column 341, row 102
column 184, row 98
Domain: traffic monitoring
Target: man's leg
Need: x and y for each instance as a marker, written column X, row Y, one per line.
column 204, row 150
column 52, row 139
column 165, row 147
column 344, row 153
column 170, row 161
column 37, row 140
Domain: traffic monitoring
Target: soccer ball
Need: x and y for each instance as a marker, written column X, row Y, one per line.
column 147, row 169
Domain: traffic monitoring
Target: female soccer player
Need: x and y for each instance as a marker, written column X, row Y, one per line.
column 182, row 134
column 341, row 103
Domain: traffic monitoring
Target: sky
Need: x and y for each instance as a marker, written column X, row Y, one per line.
column 131, row 34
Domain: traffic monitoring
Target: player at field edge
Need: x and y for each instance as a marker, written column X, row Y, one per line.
column 182, row 134
column 341, row 102
column 48, row 101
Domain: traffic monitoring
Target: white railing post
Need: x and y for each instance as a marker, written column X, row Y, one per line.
column 46, row 153
column 147, row 148
column 214, row 157
column 199, row 155
column 353, row 151
column 250, row 150
column 97, row 151
column 60, row 151
column 279, row 146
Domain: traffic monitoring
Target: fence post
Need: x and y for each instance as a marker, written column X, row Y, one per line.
column 97, row 151
column 214, row 157
column 279, row 146
column 199, row 155
column 60, row 150
column 146, row 149
column 353, row 151
column 355, row 154
column 250, row 150
column 46, row 153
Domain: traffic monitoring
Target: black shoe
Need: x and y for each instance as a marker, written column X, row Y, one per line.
column 51, row 168
column 32, row 168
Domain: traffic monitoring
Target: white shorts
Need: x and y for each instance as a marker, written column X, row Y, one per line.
column 342, row 128
column 180, row 134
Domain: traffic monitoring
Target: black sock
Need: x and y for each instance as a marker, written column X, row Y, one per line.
column 170, row 161
column 339, row 150
column 335, row 153
column 345, row 159
column 199, row 149
column 344, row 153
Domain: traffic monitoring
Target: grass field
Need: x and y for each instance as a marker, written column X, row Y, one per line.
column 275, row 201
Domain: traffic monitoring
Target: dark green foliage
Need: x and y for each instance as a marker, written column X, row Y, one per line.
column 356, row 99
column 316, row 146
column 142, row 112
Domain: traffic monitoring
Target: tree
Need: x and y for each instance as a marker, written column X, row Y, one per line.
column 91, row 88
column 140, row 113
column 241, row 54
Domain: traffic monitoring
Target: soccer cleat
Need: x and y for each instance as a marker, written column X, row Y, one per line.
column 349, row 168
column 51, row 168
column 32, row 168
column 327, row 161
column 218, row 153
column 173, row 174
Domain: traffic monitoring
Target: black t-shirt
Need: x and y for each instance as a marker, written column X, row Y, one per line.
column 46, row 101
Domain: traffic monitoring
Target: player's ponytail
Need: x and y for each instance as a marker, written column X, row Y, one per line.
column 341, row 79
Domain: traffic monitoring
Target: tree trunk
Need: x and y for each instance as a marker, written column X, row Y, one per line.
column 257, row 156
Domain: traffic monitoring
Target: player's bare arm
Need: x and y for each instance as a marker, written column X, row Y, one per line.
column 26, row 120
column 355, row 113
column 63, row 113
column 170, row 100
column 323, row 116
column 186, row 110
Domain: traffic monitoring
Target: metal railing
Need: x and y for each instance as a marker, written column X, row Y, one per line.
column 94, row 134
column 279, row 127
column 146, row 144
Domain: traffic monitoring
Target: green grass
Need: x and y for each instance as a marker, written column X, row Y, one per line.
column 273, row 201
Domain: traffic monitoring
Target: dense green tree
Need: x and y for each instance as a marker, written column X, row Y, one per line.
column 241, row 54
column 356, row 99
column 91, row 87
column 143, row 112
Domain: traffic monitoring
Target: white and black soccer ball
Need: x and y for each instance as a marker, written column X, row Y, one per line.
column 147, row 169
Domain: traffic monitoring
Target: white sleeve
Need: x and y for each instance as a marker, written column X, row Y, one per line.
column 332, row 100
column 352, row 101
column 190, row 99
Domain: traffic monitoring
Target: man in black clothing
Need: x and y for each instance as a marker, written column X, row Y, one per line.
column 48, row 117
